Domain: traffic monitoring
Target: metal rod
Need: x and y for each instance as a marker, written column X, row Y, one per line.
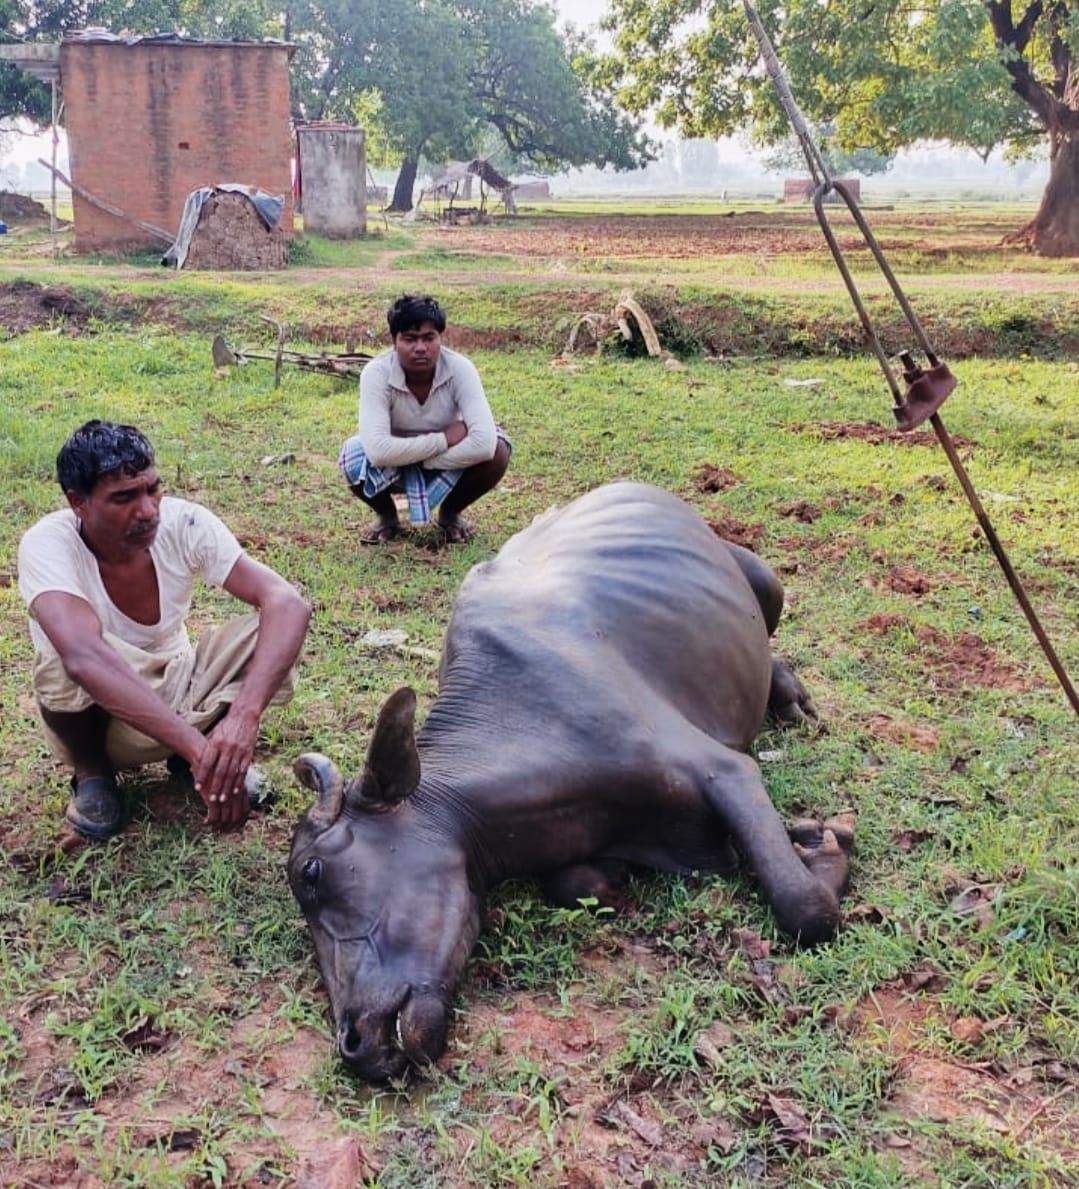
column 826, row 183
column 855, row 296
column 1014, row 582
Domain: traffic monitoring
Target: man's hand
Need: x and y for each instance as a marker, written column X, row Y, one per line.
column 222, row 764
column 455, row 432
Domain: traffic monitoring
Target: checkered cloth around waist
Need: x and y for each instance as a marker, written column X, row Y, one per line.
column 425, row 488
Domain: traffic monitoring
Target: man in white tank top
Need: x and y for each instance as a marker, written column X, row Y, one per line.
column 108, row 583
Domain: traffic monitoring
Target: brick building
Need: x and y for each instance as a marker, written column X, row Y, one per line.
column 150, row 119
column 802, row 189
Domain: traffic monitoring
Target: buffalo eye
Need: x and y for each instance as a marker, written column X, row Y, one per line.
column 311, row 871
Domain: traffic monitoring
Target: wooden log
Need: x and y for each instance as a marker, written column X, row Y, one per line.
column 108, row 207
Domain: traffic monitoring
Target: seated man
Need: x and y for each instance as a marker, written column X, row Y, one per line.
column 108, row 583
column 425, row 429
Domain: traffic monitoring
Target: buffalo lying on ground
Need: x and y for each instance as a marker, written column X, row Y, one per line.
column 602, row 679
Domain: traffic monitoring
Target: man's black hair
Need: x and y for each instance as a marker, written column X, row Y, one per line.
column 410, row 313
column 98, row 449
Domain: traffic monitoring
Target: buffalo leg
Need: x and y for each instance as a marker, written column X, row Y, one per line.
column 789, row 702
column 765, row 585
column 805, row 903
column 567, row 886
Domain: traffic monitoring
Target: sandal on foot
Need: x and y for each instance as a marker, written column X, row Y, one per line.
column 379, row 533
column 95, row 808
column 457, row 531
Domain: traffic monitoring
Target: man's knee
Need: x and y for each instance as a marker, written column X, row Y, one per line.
column 499, row 463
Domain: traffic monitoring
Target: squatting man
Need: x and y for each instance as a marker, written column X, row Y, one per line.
column 108, row 582
column 425, row 429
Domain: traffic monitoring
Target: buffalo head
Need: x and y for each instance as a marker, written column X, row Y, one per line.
column 383, row 883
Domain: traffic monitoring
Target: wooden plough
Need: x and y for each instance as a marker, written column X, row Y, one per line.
column 342, row 363
column 627, row 319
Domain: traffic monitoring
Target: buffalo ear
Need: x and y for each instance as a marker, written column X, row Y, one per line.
column 392, row 770
column 321, row 775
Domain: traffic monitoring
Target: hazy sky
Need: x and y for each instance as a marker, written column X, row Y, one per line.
column 584, row 13
column 581, row 12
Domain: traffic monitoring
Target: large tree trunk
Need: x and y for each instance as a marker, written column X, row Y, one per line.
column 402, row 190
column 1054, row 230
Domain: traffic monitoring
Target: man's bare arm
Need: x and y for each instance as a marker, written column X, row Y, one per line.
column 74, row 629
column 283, row 620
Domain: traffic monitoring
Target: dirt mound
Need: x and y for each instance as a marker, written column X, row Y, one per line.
column 231, row 236
column 710, row 478
column 907, row 580
column 737, row 531
column 18, row 208
column 26, row 306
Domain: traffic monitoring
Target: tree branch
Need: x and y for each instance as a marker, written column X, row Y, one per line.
column 1024, row 84
column 1059, row 51
column 1025, row 29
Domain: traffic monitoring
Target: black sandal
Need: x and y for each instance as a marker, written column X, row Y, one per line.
column 96, row 809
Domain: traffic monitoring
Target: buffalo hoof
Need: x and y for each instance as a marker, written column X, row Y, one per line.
column 789, row 702
column 824, row 847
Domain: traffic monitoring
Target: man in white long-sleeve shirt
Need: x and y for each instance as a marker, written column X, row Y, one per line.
column 425, row 429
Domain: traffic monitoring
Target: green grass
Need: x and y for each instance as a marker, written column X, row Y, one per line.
column 162, row 985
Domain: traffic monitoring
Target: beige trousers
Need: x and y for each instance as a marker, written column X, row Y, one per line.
column 197, row 684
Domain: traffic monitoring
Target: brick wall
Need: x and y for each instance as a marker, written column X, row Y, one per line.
column 149, row 123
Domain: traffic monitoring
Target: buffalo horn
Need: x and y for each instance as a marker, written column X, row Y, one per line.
column 319, row 773
column 392, row 770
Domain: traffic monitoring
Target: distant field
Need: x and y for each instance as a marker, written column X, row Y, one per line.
column 161, row 1018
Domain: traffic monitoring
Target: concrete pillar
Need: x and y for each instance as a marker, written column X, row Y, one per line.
column 333, row 166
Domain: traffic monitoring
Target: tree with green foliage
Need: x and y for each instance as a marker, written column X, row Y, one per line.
column 973, row 72
column 405, row 64
column 787, row 155
column 543, row 90
column 444, row 70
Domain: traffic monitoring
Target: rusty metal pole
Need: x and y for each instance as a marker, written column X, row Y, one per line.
column 926, row 390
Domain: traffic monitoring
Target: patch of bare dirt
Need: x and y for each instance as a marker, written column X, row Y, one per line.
column 470, row 338
column 25, row 306
column 885, row 621
column 874, row 433
column 1023, row 1103
column 920, row 737
column 820, row 549
column 905, row 580
column 679, row 237
column 182, row 1082
column 739, row 532
column 965, row 660
column 801, row 510
column 710, row 479
column 956, row 662
column 607, row 1139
